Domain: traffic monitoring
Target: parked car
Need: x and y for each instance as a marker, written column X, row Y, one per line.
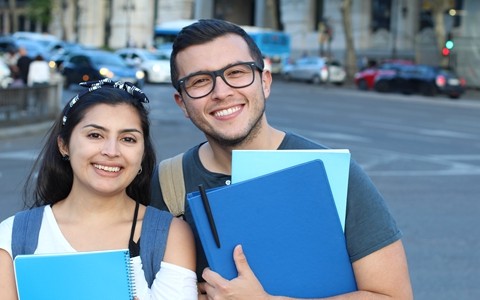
column 87, row 65
column 33, row 48
column 7, row 43
column 314, row 69
column 421, row 79
column 58, row 55
column 365, row 79
column 154, row 63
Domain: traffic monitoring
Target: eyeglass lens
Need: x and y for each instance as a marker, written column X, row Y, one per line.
column 236, row 76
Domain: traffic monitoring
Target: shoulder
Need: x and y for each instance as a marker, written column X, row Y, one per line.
column 295, row 141
column 180, row 245
column 6, row 234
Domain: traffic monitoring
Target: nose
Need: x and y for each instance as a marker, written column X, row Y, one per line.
column 110, row 148
column 221, row 89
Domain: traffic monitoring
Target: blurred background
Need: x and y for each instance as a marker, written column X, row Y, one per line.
column 355, row 33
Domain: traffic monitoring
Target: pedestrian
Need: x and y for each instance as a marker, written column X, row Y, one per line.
column 39, row 78
column 39, row 72
column 23, row 64
column 230, row 111
column 93, row 185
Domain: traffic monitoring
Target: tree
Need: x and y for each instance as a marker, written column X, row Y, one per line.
column 40, row 11
column 350, row 56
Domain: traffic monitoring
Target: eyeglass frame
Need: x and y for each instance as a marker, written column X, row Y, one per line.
column 219, row 73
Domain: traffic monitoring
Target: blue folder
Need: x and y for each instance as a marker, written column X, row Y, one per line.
column 288, row 226
column 335, row 161
column 75, row 276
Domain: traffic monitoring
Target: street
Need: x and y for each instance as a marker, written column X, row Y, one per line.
column 422, row 153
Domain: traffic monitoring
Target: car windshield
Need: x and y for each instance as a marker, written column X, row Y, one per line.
column 156, row 56
column 111, row 59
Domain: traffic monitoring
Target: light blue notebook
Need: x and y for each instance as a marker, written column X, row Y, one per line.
column 247, row 164
column 75, row 276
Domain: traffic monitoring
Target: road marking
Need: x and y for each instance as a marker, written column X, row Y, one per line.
column 21, row 155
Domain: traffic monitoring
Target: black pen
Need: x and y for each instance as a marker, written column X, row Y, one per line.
column 208, row 210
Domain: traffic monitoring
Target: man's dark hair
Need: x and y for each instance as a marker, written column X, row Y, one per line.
column 204, row 31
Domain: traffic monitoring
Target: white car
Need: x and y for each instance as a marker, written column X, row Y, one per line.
column 314, row 69
column 154, row 63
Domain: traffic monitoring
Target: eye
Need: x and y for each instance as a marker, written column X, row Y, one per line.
column 198, row 81
column 129, row 139
column 94, row 135
column 237, row 71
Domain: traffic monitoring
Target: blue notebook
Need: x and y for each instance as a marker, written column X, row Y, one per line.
column 75, row 276
column 336, row 162
column 288, row 226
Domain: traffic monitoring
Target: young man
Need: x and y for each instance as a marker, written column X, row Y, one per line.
column 221, row 86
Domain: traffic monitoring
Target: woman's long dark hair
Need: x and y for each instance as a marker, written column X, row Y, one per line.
column 55, row 176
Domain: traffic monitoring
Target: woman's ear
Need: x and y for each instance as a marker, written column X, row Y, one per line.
column 62, row 147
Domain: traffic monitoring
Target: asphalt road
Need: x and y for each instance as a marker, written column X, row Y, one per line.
column 422, row 153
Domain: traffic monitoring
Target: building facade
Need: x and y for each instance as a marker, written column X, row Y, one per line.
column 381, row 28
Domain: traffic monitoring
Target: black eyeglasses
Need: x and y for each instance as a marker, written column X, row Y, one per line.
column 201, row 84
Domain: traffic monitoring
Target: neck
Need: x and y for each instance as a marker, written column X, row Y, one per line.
column 218, row 158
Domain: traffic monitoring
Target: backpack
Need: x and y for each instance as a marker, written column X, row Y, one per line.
column 153, row 239
column 170, row 177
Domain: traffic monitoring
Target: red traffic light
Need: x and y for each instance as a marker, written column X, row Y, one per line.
column 445, row 51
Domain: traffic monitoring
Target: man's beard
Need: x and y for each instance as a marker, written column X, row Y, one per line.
column 240, row 140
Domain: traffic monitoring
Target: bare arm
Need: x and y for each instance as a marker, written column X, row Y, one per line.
column 180, row 249
column 7, row 277
column 380, row 275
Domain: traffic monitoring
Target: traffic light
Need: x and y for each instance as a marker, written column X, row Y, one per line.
column 445, row 51
column 449, row 44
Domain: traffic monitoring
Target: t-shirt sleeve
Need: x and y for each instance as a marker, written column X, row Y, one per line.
column 369, row 223
column 6, row 235
column 171, row 282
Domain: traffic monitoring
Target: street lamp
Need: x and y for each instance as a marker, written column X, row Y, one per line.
column 128, row 7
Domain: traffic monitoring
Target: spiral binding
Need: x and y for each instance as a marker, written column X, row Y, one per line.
column 132, row 289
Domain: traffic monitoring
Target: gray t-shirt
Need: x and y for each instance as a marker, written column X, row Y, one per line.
column 369, row 226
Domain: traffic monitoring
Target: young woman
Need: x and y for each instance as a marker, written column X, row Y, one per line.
column 93, row 184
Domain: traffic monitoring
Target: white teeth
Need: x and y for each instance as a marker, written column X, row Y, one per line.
column 227, row 112
column 108, row 169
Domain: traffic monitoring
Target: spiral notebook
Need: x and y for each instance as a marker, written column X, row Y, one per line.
column 74, row 276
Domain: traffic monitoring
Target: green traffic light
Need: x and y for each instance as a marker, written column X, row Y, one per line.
column 449, row 45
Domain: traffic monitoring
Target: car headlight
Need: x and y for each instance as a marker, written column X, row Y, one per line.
column 106, row 73
column 139, row 74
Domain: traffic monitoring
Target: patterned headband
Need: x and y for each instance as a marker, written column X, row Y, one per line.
column 95, row 85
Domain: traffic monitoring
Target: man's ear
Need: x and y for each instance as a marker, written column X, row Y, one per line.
column 62, row 147
column 179, row 100
column 266, row 82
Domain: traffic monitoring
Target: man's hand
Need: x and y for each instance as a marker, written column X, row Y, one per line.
column 245, row 286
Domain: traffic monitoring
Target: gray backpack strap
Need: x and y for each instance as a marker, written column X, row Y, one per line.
column 26, row 228
column 172, row 184
column 153, row 241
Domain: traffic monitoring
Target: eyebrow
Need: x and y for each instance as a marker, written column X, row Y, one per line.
column 207, row 72
column 126, row 130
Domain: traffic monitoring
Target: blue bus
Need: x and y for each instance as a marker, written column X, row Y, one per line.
column 274, row 45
